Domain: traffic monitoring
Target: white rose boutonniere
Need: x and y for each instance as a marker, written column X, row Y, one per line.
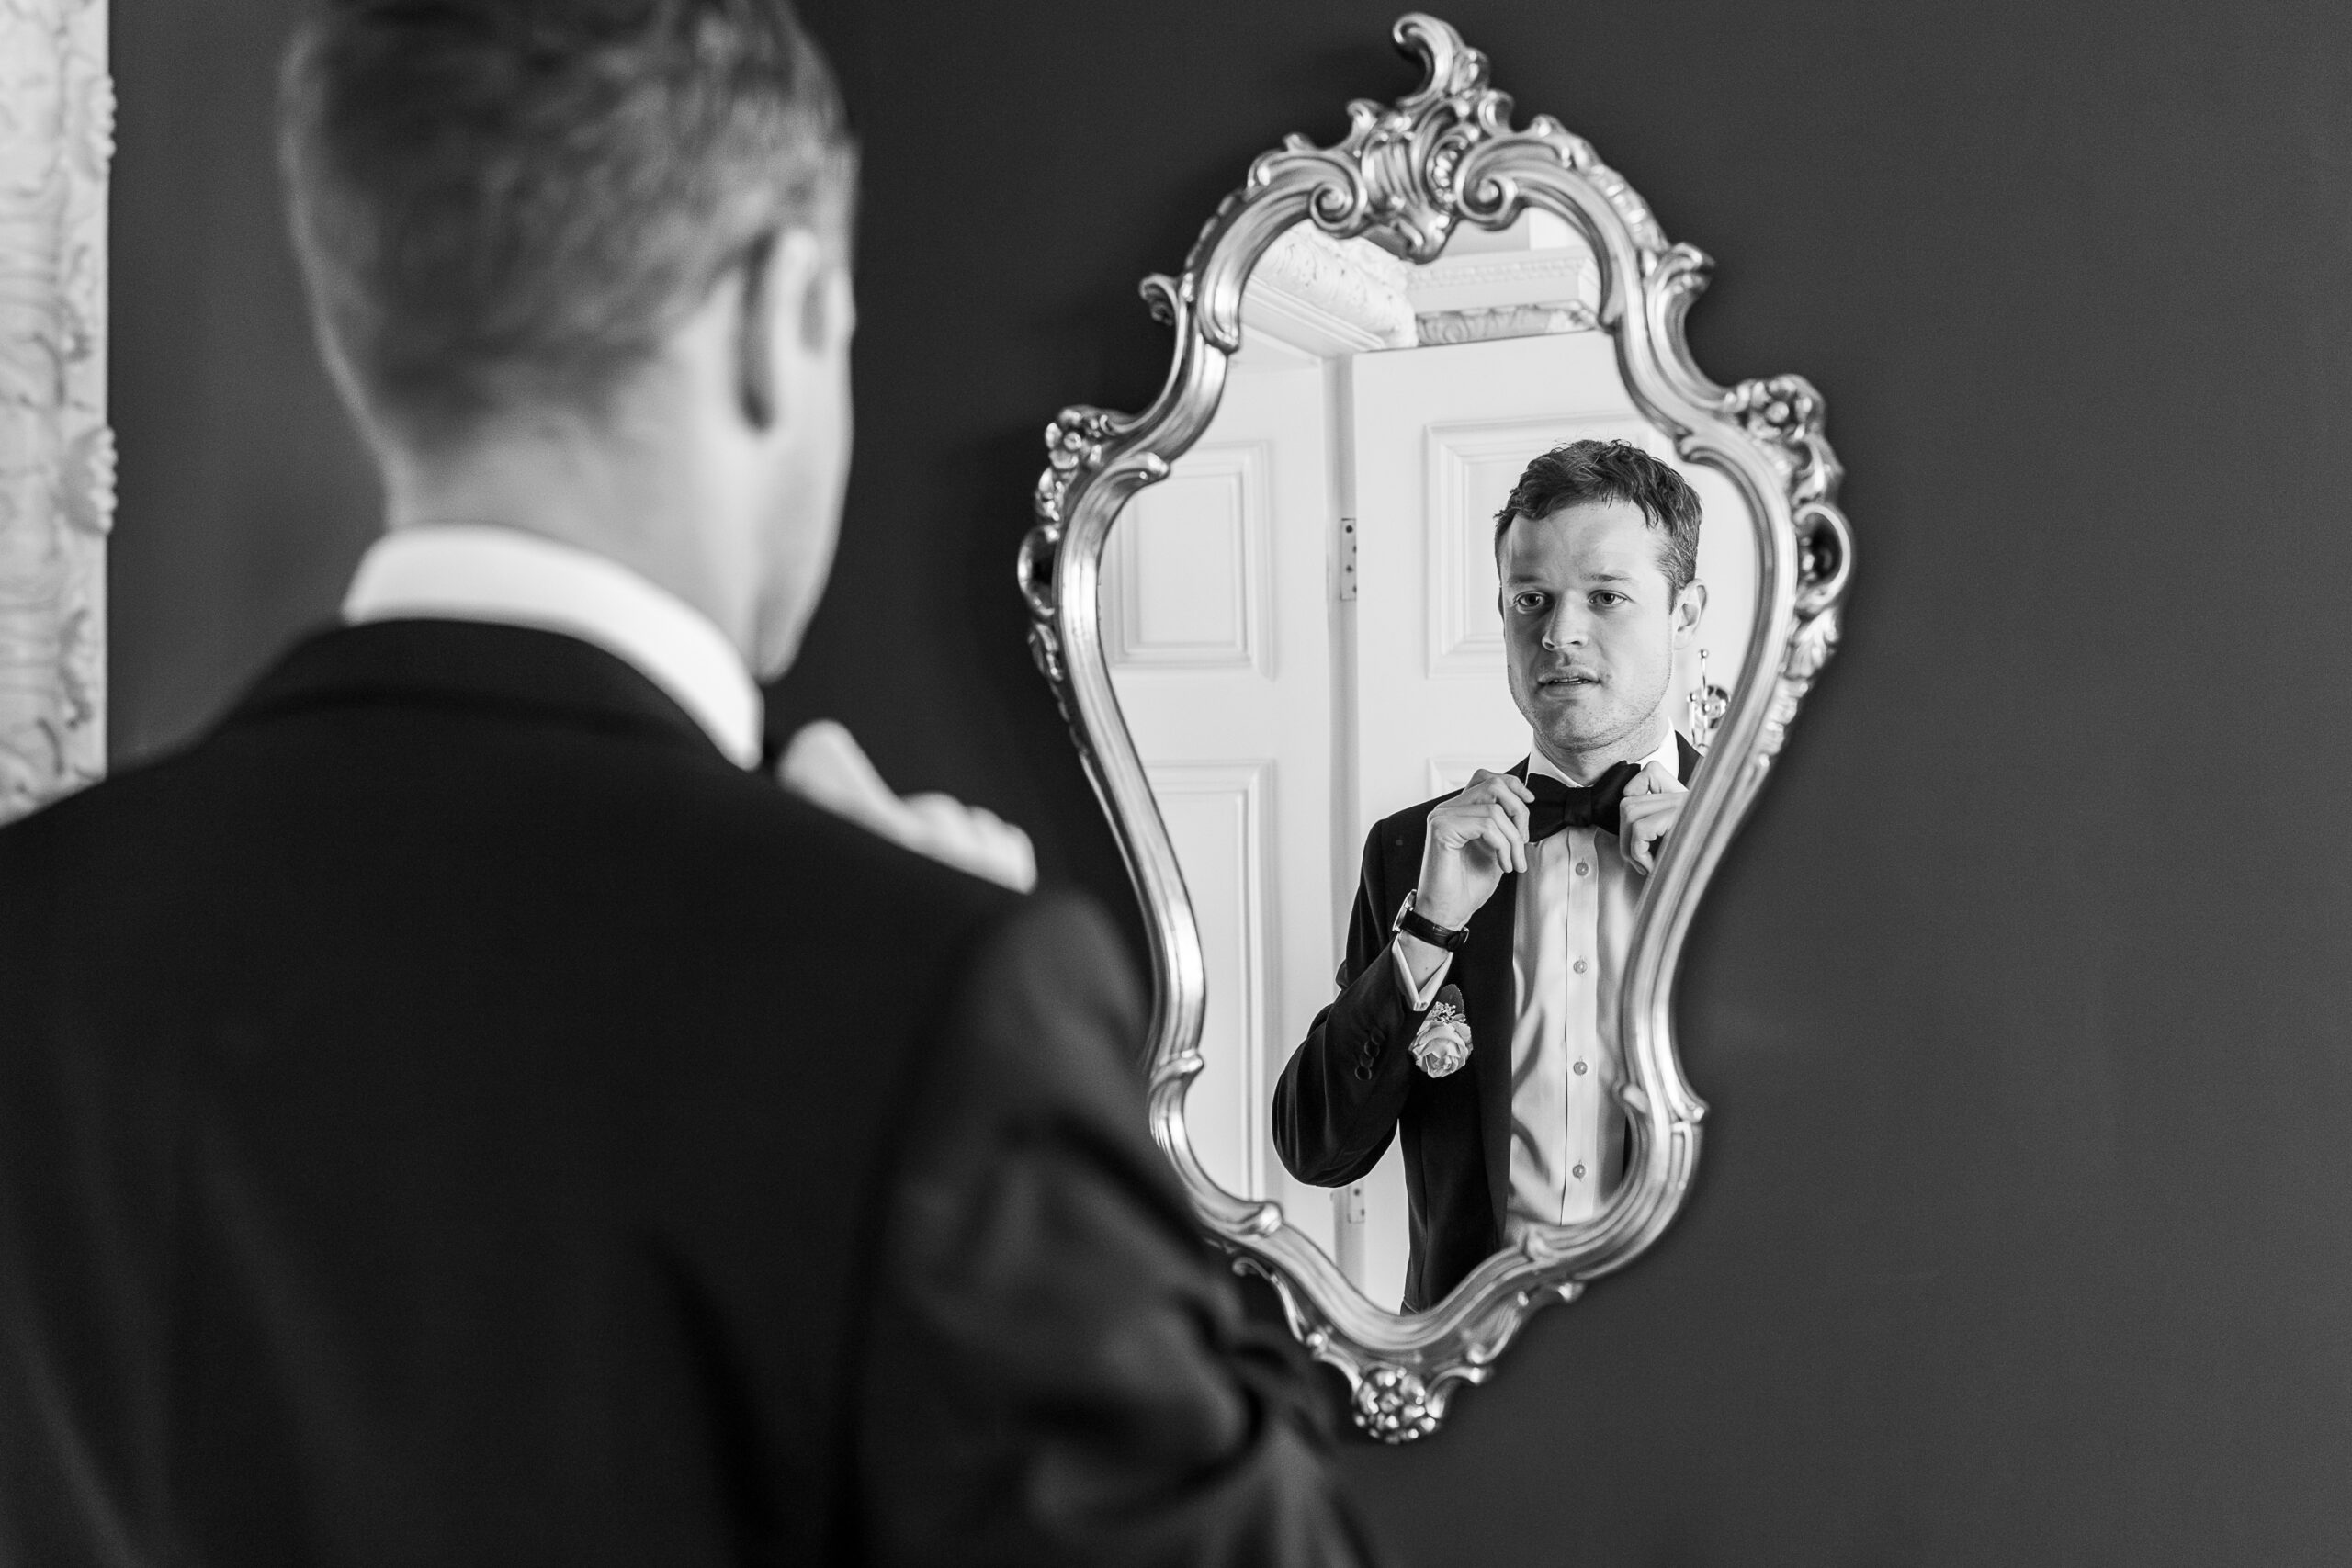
column 1443, row 1043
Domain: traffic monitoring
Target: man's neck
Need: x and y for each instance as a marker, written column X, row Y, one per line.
column 645, row 515
column 1584, row 765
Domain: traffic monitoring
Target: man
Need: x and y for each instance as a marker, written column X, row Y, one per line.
column 460, row 1110
column 1514, row 899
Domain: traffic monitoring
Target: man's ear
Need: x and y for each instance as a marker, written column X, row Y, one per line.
column 1688, row 607
column 783, row 277
column 755, row 335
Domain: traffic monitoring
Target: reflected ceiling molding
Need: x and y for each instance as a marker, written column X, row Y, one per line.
column 1327, row 297
column 1532, row 277
column 1485, row 323
column 56, row 451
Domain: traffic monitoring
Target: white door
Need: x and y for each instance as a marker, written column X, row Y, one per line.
column 1216, row 587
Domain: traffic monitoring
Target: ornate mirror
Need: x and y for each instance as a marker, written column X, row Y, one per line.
column 1358, row 608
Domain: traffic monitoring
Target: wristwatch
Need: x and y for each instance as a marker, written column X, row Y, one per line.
column 1413, row 923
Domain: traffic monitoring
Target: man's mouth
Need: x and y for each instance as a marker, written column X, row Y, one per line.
column 1568, row 678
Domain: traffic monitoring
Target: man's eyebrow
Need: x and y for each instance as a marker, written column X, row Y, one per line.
column 1518, row 577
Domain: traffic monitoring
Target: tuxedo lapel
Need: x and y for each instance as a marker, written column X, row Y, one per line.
column 1482, row 970
column 1489, row 995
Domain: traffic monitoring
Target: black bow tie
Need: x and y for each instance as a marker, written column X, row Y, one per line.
column 1559, row 806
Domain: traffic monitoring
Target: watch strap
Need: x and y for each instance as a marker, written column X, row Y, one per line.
column 1413, row 923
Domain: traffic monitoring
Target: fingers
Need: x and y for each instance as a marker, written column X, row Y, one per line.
column 1645, row 821
column 1641, row 852
column 1507, row 835
column 825, row 764
column 1487, row 813
column 1652, row 802
column 973, row 838
column 1510, row 793
column 1484, row 824
column 1486, row 785
column 1655, row 778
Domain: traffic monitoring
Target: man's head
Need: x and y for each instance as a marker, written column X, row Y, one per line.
column 603, row 239
column 1597, row 549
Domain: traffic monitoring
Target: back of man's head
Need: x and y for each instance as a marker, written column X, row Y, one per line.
column 504, row 206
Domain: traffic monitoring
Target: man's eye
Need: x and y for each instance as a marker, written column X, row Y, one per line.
column 1604, row 598
column 1527, row 603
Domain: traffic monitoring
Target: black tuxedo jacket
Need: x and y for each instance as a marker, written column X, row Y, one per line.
column 1352, row 1085
column 452, row 1115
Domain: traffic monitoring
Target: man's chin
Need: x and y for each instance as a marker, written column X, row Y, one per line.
column 1582, row 710
column 1580, row 733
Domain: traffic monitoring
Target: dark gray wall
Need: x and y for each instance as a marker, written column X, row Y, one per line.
column 2024, row 1234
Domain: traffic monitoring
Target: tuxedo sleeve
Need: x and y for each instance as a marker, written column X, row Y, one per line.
column 1338, row 1097
column 1058, row 1370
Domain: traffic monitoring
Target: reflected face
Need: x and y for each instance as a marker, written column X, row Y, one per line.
column 1592, row 625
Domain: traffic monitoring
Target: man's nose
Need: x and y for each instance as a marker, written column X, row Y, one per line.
column 1564, row 629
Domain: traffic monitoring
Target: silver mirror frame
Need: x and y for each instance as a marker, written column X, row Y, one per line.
column 1404, row 176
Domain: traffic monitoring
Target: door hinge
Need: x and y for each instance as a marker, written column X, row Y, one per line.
column 1346, row 573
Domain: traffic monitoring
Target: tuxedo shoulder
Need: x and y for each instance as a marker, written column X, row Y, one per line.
column 1405, row 830
column 1051, row 1008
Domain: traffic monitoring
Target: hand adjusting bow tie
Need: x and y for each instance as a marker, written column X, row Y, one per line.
column 1559, row 806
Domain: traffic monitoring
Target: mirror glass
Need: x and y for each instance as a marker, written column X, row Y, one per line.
column 1308, row 631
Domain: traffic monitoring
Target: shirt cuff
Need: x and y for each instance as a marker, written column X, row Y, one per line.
column 1418, row 998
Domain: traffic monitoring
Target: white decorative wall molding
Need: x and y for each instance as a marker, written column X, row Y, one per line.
column 1565, row 275
column 1187, row 572
column 1329, row 297
column 56, row 451
column 1217, row 814
column 1484, row 323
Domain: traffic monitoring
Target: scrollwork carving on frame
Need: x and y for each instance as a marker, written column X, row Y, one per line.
column 1405, row 176
column 57, row 458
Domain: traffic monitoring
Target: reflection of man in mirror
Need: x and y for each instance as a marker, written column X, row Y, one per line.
column 1517, row 895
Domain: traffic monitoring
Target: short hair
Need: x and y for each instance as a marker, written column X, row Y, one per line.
column 1612, row 470
column 511, row 203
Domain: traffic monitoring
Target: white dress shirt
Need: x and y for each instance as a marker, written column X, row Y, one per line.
column 476, row 572
column 1570, row 930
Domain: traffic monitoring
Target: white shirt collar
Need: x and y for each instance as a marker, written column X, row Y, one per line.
column 1541, row 766
column 476, row 572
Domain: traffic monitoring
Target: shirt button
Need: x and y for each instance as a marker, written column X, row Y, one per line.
column 1579, row 1069
column 1577, row 1171
column 1580, row 965
column 1583, row 867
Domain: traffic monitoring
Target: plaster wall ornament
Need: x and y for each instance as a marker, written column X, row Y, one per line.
column 56, row 451
column 1483, row 323
column 1538, row 278
column 1329, row 296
